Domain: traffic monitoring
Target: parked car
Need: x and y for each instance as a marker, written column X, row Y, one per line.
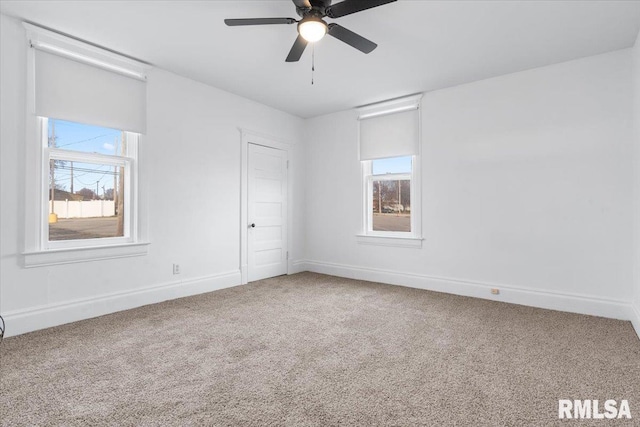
column 395, row 208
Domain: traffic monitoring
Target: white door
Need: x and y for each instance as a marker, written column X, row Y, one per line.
column 267, row 215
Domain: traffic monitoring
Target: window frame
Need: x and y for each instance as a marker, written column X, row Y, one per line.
column 128, row 161
column 368, row 179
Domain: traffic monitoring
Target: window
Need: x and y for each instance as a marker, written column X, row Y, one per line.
column 90, row 171
column 389, row 153
column 86, row 112
column 389, row 192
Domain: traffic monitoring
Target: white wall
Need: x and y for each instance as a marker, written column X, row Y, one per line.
column 636, row 190
column 527, row 183
column 191, row 151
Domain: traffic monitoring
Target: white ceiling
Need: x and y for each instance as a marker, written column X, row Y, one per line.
column 423, row 45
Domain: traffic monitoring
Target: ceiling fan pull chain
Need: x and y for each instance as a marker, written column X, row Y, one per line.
column 313, row 61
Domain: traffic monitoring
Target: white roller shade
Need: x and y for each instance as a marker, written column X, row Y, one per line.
column 390, row 135
column 390, row 128
column 78, row 91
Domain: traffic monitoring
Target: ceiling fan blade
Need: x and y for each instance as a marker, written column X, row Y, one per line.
column 303, row 4
column 259, row 21
column 296, row 50
column 351, row 38
column 347, row 7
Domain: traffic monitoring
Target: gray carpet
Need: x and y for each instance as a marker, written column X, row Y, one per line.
column 318, row 350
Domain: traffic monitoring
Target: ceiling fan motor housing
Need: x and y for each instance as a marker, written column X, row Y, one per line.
column 318, row 8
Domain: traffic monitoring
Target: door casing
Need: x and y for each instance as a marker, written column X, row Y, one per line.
column 250, row 137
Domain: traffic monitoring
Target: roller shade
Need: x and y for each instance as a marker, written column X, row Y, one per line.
column 80, row 91
column 390, row 128
column 390, row 135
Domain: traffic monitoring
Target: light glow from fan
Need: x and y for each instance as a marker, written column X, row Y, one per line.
column 312, row 30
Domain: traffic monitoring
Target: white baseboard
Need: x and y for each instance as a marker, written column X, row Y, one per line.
column 573, row 303
column 297, row 266
column 35, row 318
column 32, row 319
column 635, row 319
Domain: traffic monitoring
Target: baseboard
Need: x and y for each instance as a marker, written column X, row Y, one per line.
column 635, row 319
column 297, row 266
column 573, row 303
column 32, row 319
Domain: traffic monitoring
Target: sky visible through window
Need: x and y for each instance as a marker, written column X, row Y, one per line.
column 87, row 139
column 392, row 165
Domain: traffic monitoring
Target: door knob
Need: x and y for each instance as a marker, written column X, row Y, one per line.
column 253, row 225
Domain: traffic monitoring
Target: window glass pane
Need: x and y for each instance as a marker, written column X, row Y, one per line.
column 391, row 205
column 391, row 165
column 85, row 138
column 85, row 200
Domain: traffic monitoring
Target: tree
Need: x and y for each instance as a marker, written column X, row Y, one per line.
column 393, row 195
column 87, row 193
column 108, row 194
column 376, row 197
column 389, row 192
column 405, row 193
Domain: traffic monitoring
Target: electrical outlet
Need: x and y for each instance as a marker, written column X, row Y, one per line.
column 495, row 291
column 176, row 268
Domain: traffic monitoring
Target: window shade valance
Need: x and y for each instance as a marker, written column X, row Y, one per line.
column 87, row 85
column 390, row 129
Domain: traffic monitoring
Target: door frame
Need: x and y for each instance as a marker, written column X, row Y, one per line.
column 251, row 137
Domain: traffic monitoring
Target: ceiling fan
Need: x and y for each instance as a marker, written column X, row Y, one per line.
column 312, row 26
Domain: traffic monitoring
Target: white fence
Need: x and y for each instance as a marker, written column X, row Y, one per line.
column 83, row 209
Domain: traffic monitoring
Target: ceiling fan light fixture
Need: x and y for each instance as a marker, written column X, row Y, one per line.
column 312, row 29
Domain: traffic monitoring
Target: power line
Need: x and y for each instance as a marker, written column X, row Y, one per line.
column 84, row 140
column 75, row 176
column 88, row 170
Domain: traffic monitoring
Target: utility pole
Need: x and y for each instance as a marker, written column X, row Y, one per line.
column 71, row 177
column 115, row 174
column 52, row 144
column 97, row 183
column 120, row 224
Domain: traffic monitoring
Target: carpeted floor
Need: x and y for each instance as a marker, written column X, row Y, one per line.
column 318, row 350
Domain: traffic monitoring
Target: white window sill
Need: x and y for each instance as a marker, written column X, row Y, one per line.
column 93, row 253
column 401, row 242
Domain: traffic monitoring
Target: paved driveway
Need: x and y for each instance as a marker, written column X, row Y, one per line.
column 391, row 222
column 83, row 228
